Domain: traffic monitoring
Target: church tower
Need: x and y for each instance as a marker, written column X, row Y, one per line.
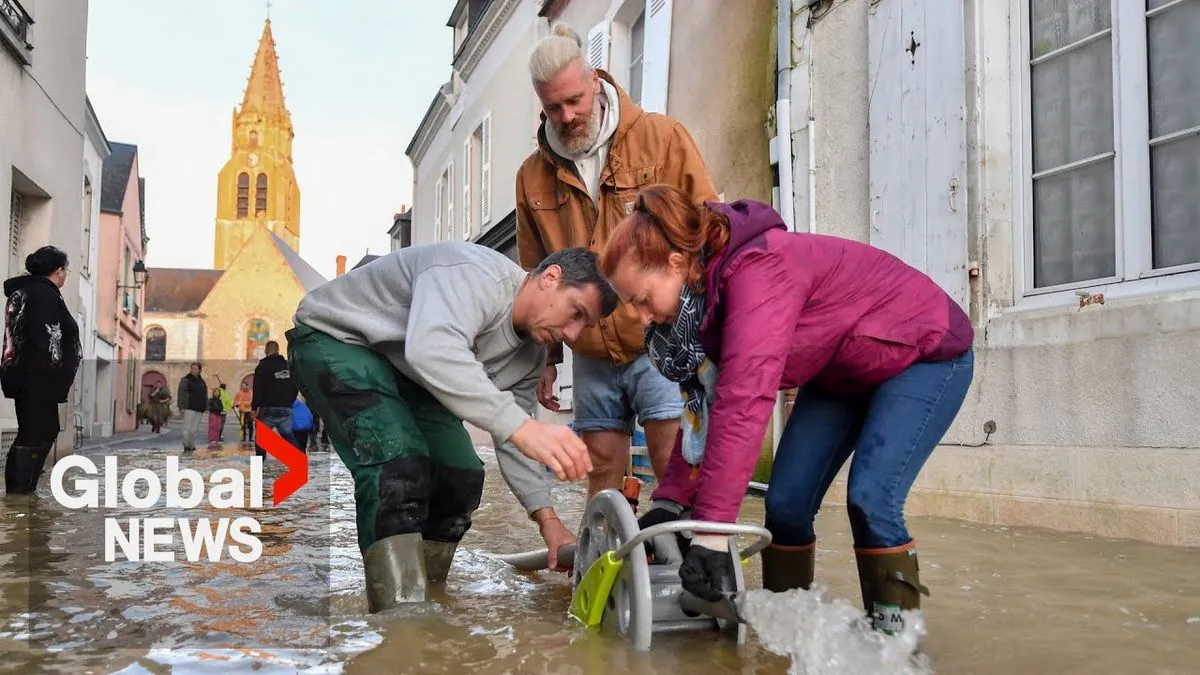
column 257, row 186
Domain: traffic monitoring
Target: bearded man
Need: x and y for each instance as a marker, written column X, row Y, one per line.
column 596, row 149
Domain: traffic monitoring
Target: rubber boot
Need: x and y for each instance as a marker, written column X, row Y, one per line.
column 23, row 468
column 890, row 581
column 788, row 567
column 438, row 557
column 395, row 571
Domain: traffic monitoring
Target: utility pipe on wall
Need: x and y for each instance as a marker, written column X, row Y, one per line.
column 783, row 113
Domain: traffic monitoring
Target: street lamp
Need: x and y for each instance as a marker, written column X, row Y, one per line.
column 139, row 276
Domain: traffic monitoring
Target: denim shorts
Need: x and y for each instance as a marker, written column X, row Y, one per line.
column 608, row 397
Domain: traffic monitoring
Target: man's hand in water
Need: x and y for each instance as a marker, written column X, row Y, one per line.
column 556, row 446
column 556, row 536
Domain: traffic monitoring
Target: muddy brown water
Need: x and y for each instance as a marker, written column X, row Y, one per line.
column 1004, row 600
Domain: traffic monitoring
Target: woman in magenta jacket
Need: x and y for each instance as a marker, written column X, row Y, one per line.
column 737, row 309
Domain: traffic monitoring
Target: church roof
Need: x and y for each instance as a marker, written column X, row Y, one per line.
column 309, row 277
column 177, row 290
column 116, row 177
column 264, row 89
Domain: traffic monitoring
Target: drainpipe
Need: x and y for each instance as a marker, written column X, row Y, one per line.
column 783, row 159
column 783, row 114
column 812, row 125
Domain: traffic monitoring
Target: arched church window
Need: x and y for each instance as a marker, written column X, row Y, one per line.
column 254, row 139
column 257, row 335
column 156, row 344
column 243, row 195
column 260, row 194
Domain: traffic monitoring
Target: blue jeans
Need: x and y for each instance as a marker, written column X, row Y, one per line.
column 891, row 432
column 278, row 420
column 608, row 397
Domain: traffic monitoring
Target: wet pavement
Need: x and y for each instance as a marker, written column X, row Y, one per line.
column 1003, row 600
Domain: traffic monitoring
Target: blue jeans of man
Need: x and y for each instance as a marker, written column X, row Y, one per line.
column 891, row 432
column 608, row 397
column 278, row 420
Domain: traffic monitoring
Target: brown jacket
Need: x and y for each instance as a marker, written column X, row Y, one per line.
column 555, row 211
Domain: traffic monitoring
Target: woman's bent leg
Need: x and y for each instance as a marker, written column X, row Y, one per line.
column 906, row 419
column 815, row 443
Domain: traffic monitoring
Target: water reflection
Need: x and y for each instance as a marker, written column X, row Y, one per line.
column 1003, row 600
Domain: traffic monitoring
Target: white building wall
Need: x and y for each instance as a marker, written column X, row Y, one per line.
column 41, row 154
column 1093, row 402
column 497, row 87
column 90, row 397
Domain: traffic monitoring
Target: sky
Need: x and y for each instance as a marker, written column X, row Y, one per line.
column 358, row 75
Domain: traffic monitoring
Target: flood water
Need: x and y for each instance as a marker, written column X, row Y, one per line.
column 1003, row 600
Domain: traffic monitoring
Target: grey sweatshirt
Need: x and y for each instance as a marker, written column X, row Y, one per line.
column 442, row 314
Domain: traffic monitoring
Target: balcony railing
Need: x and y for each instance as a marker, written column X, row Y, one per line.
column 14, row 30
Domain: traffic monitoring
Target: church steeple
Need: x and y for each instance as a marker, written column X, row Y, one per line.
column 257, row 186
column 264, row 90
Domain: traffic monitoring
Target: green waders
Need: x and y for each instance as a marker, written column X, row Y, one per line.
column 417, row 479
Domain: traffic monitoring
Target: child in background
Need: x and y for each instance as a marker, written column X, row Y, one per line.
column 302, row 423
column 216, row 415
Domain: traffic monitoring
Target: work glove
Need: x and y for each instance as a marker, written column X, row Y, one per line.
column 661, row 511
column 707, row 569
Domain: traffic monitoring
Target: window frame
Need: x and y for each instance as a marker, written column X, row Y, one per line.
column 1133, row 199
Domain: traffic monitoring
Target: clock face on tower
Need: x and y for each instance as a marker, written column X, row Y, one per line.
column 254, row 159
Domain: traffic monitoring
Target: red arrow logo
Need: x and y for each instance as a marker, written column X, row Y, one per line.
column 295, row 461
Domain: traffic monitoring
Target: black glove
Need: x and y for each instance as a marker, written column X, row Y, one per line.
column 706, row 573
column 657, row 515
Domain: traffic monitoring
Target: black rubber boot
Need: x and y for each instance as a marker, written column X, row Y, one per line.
column 890, row 581
column 23, row 468
column 395, row 571
column 788, row 567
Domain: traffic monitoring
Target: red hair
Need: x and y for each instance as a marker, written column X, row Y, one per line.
column 665, row 221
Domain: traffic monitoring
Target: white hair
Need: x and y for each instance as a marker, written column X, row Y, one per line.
column 555, row 52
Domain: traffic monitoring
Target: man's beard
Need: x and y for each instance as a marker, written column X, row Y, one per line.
column 585, row 133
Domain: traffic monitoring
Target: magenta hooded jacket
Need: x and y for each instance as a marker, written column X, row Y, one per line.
column 787, row 309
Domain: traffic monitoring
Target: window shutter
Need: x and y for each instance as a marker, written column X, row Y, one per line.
column 466, row 202
column 597, row 45
column 485, row 172
column 450, row 201
column 437, row 211
column 918, row 157
column 656, row 55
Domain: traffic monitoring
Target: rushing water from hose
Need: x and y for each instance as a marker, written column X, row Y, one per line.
column 832, row 637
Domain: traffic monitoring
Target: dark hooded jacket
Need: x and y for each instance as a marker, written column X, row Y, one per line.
column 41, row 351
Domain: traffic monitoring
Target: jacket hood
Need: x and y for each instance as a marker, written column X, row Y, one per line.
column 748, row 220
column 25, row 280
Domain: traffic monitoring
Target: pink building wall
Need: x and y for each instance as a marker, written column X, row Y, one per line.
column 120, row 248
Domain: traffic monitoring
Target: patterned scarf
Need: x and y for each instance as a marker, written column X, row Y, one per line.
column 676, row 352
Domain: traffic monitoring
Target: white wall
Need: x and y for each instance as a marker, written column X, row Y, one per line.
column 95, row 150
column 42, row 138
column 1094, row 405
column 498, row 87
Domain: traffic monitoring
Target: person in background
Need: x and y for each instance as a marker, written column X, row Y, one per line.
column 216, row 413
column 192, row 399
column 595, row 147
column 302, row 423
column 738, row 308
column 274, row 393
column 159, row 403
column 40, row 357
column 243, row 403
column 226, row 407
